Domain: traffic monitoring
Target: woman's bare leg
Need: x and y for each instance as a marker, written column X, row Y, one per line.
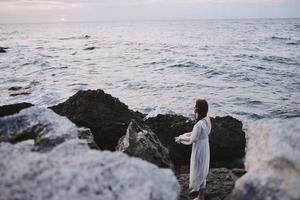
column 195, row 192
column 201, row 194
column 198, row 197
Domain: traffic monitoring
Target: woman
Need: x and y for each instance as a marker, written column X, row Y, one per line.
column 199, row 165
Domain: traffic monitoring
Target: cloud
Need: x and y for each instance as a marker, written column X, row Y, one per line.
column 25, row 6
column 90, row 10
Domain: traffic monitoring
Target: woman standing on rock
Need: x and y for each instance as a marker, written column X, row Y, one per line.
column 199, row 165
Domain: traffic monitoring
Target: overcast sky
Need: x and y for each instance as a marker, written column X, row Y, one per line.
column 115, row 10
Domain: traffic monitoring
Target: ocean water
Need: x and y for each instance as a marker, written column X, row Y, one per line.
column 248, row 69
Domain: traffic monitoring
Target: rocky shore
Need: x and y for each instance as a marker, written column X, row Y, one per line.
column 79, row 152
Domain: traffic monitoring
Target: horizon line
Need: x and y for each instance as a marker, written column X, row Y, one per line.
column 148, row 20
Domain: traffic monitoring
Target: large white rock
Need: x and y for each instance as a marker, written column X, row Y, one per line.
column 272, row 161
column 73, row 171
column 41, row 124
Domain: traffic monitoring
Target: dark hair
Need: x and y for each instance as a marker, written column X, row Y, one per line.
column 201, row 108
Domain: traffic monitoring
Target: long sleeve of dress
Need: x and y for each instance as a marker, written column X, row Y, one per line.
column 190, row 138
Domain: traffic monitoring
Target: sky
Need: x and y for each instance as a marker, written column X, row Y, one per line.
column 35, row 11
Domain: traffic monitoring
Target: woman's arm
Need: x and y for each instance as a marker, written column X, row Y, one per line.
column 189, row 138
column 187, row 134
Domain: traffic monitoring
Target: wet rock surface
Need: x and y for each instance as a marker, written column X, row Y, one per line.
column 11, row 109
column 141, row 142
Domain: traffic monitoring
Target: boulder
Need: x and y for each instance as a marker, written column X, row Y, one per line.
column 73, row 171
column 106, row 116
column 13, row 108
column 166, row 127
column 41, row 124
column 227, row 139
column 272, row 162
column 108, row 119
column 141, row 142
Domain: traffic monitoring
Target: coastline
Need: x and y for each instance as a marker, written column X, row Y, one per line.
column 107, row 119
column 92, row 123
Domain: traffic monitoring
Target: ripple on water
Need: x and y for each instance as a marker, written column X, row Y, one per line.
column 163, row 67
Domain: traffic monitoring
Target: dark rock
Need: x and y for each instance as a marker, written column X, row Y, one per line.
column 108, row 119
column 43, row 125
column 166, row 127
column 3, row 49
column 220, row 183
column 18, row 94
column 15, row 88
column 106, row 116
column 141, row 142
column 227, row 139
column 13, row 108
column 90, row 48
column 73, row 171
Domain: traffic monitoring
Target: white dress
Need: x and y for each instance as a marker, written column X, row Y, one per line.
column 200, row 156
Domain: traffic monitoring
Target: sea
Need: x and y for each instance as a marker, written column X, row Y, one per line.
column 247, row 68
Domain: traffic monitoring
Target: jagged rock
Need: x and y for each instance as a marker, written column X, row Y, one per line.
column 141, row 142
column 227, row 139
column 108, row 119
column 72, row 171
column 13, row 108
column 106, row 116
column 86, row 134
column 272, row 162
column 220, row 182
column 166, row 127
column 41, row 124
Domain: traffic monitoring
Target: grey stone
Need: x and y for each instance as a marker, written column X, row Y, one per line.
column 42, row 125
column 272, row 162
column 86, row 134
column 72, row 170
column 141, row 142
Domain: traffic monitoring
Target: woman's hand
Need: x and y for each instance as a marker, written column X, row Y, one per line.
column 177, row 140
